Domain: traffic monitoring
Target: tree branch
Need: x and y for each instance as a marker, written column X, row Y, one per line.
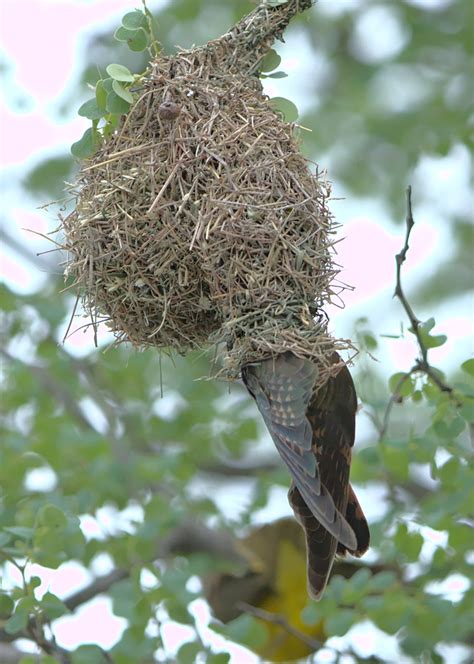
column 239, row 470
column 10, row 655
column 278, row 619
column 394, row 398
column 421, row 364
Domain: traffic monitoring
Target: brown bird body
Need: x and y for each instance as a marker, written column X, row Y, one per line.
column 314, row 431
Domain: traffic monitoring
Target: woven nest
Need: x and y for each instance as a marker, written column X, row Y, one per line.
column 199, row 220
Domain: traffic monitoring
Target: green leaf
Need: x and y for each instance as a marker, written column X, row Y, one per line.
column 91, row 110
column 449, row 429
column 218, row 658
column 382, row 581
column 188, row 653
column 286, row 107
column 277, row 74
column 120, row 73
column 427, row 326
column 52, row 606
column 85, row 147
column 124, row 35
column 434, row 342
column 122, row 92
column 20, row 531
column 408, row 544
column 414, row 644
column 116, row 104
column 6, row 606
column 270, row 61
column 245, row 630
column 124, row 598
column 136, row 40
column 34, row 582
column 312, row 614
column 46, row 180
column 341, row 622
column 360, row 579
column 467, row 411
column 178, row 611
column 369, row 340
column 5, row 538
column 100, row 94
column 17, row 622
column 427, row 340
column 88, row 654
column 393, row 612
column 414, row 546
column 468, row 367
column 395, row 458
column 460, row 537
column 403, row 381
column 417, row 396
column 51, row 516
column 134, row 20
column 448, row 473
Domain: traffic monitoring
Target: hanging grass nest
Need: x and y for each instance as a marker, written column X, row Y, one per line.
column 199, row 221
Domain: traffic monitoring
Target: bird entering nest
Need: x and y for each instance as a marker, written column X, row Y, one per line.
column 313, row 430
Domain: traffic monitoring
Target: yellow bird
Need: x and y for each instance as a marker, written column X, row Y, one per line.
column 274, row 583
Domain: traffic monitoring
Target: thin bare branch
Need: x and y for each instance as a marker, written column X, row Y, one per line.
column 277, row 619
column 394, row 398
column 421, row 364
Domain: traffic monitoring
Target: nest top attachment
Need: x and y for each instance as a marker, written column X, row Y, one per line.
column 199, row 220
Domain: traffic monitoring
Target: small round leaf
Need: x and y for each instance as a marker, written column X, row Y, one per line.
column 120, row 73
column 286, row 108
column 52, row 516
column 100, row 94
column 468, row 367
column 6, row 606
column 116, row 104
column 270, row 61
column 91, row 110
column 123, row 35
column 139, row 41
column 16, row 623
column 122, row 92
column 278, row 74
column 134, row 20
column 85, row 146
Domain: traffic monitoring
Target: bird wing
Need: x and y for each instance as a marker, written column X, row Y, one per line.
column 356, row 518
column 282, row 388
column 331, row 413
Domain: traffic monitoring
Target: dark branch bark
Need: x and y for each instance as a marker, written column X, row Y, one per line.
column 280, row 620
column 421, row 364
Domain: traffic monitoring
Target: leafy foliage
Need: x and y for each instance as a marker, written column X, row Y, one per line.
column 113, row 95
